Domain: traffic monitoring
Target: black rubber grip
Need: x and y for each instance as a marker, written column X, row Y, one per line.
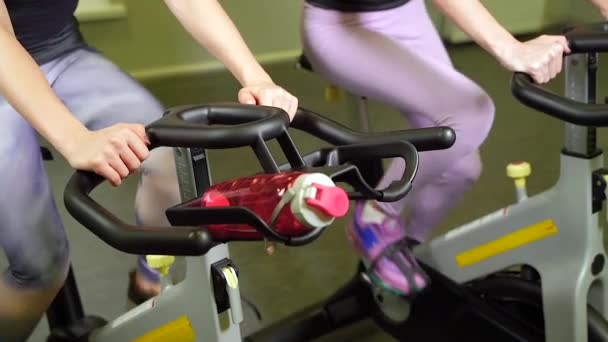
column 534, row 96
column 588, row 38
column 424, row 139
column 125, row 237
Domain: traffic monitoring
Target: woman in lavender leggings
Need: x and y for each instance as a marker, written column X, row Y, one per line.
column 389, row 50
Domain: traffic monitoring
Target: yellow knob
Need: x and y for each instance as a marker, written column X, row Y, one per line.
column 520, row 169
column 332, row 93
column 160, row 262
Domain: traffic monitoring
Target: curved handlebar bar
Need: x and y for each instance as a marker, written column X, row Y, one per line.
column 534, row 96
column 588, row 38
column 424, row 139
column 125, row 237
column 581, row 39
column 197, row 126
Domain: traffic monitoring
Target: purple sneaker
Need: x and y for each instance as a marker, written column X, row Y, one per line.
column 388, row 258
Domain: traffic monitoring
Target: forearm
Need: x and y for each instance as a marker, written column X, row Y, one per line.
column 475, row 20
column 209, row 24
column 601, row 5
column 25, row 87
column 5, row 21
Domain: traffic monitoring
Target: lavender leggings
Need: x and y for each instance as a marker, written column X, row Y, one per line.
column 31, row 231
column 396, row 57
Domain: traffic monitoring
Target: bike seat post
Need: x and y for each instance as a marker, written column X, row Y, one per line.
column 519, row 171
column 357, row 104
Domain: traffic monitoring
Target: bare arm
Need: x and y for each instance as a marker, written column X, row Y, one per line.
column 602, row 6
column 113, row 152
column 209, row 24
column 475, row 20
column 30, row 93
column 541, row 57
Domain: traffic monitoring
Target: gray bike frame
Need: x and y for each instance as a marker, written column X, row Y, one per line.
column 186, row 311
column 556, row 232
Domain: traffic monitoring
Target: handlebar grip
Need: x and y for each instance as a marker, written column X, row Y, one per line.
column 534, row 96
column 201, row 126
column 588, row 38
column 424, row 139
column 190, row 241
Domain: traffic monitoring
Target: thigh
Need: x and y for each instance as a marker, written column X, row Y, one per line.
column 31, row 233
column 411, row 27
column 100, row 94
column 375, row 54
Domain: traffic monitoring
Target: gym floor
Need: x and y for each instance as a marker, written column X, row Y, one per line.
column 296, row 277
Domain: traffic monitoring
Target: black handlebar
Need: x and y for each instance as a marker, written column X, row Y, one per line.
column 424, row 139
column 125, row 237
column 582, row 39
column 588, row 38
column 579, row 113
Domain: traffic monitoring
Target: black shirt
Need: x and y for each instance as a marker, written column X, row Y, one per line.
column 45, row 28
column 357, row 5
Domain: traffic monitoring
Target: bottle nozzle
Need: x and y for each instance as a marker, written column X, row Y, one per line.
column 330, row 200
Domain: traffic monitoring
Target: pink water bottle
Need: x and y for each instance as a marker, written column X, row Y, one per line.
column 292, row 203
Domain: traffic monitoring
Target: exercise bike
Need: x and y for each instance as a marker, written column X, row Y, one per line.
column 206, row 305
column 532, row 271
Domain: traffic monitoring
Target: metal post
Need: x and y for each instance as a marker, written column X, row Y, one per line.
column 66, row 309
column 193, row 173
column 358, row 108
column 581, row 85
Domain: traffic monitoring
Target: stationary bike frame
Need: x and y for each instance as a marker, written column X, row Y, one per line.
column 206, row 305
column 558, row 232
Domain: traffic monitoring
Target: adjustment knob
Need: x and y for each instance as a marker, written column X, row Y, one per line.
column 520, row 169
column 160, row 262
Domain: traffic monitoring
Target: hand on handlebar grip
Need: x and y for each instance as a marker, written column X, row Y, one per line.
column 269, row 94
column 113, row 152
column 541, row 58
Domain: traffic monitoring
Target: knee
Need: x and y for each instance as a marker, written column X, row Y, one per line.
column 473, row 122
column 158, row 188
column 484, row 108
column 158, row 171
column 467, row 170
column 45, row 270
